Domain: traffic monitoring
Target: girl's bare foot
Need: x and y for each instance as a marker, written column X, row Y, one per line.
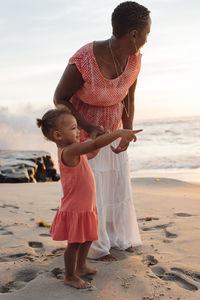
column 86, row 271
column 130, row 249
column 108, row 257
column 77, row 282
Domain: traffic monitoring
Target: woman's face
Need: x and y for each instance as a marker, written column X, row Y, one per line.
column 142, row 35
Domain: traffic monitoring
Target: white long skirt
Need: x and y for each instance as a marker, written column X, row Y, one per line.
column 118, row 226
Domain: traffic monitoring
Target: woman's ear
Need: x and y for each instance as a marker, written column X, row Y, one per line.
column 133, row 33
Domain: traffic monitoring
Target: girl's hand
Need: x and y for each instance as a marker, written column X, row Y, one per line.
column 127, row 136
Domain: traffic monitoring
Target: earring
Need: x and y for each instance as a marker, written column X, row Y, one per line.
column 135, row 48
column 135, row 43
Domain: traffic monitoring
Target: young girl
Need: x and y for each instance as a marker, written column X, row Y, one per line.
column 76, row 219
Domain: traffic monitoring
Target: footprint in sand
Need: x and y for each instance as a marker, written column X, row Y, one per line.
column 9, row 205
column 17, row 256
column 183, row 215
column 147, row 219
column 44, row 234
column 150, row 260
column 157, row 227
column 10, row 287
column 172, row 276
column 194, row 275
column 6, row 232
column 167, row 241
column 163, row 227
column 26, row 275
column 35, row 244
column 58, row 252
column 25, row 256
column 170, row 235
column 58, row 273
column 20, row 280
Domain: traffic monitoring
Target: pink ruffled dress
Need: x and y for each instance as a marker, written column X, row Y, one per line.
column 76, row 218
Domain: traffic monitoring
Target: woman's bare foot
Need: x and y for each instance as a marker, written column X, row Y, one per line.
column 108, row 257
column 86, row 271
column 77, row 282
column 130, row 249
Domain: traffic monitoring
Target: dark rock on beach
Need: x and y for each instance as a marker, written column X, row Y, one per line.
column 27, row 166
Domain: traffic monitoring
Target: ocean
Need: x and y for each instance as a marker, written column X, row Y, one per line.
column 167, row 148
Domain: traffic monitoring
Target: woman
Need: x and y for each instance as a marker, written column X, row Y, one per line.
column 98, row 85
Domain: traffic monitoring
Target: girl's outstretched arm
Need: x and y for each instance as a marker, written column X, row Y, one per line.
column 78, row 149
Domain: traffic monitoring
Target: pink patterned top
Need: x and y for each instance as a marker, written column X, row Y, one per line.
column 99, row 99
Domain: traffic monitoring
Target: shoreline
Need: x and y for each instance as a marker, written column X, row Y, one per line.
column 187, row 175
column 165, row 267
column 184, row 174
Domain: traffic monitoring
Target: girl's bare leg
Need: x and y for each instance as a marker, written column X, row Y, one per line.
column 82, row 268
column 70, row 259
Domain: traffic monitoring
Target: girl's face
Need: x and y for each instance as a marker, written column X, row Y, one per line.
column 68, row 130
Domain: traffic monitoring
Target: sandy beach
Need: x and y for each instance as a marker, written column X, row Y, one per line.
column 167, row 266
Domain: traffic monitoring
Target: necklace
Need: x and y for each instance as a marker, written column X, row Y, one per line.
column 115, row 62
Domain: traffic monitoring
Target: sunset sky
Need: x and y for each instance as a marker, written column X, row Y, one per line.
column 38, row 38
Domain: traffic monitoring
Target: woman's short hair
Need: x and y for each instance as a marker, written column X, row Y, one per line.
column 128, row 16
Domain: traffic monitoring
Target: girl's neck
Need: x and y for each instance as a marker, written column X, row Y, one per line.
column 62, row 145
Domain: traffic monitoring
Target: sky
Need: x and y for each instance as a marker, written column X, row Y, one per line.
column 38, row 37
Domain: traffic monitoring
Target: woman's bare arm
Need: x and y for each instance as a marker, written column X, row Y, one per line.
column 129, row 102
column 68, row 85
column 127, row 120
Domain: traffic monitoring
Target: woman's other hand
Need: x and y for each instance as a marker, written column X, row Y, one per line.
column 127, row 136
column 96, row 131
column 123, row 145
